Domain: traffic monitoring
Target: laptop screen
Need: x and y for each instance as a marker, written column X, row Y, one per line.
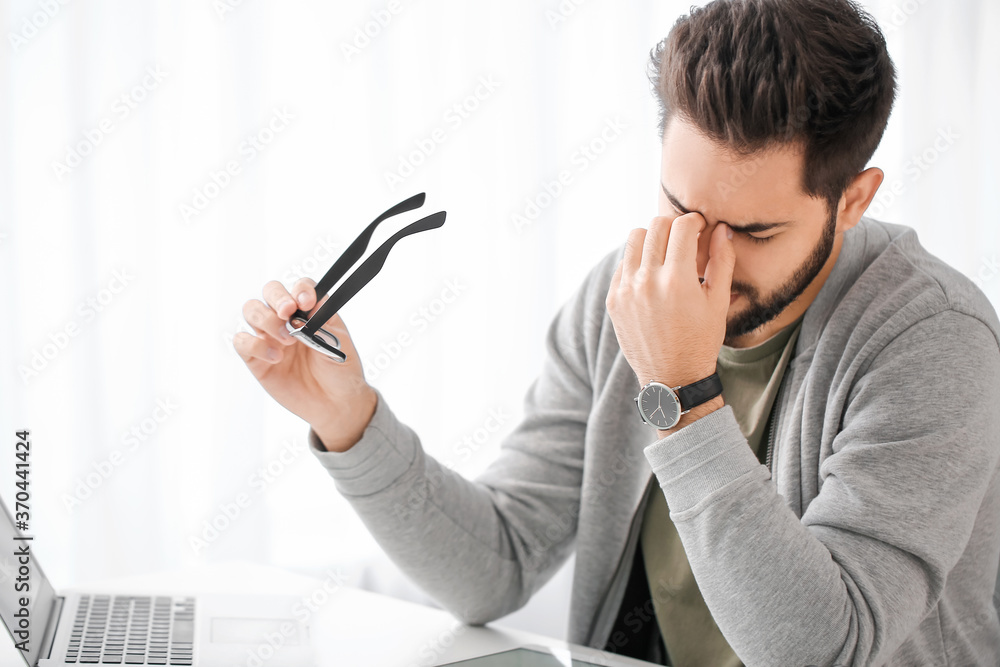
column 26, row 596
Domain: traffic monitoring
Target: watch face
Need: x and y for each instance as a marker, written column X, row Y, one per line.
column 660, row 405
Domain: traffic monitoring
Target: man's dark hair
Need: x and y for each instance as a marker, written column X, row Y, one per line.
column 752, row 74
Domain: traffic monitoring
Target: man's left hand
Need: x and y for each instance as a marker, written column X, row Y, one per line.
column 671, row 326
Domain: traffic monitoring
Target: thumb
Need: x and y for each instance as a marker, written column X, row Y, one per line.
column 721, row 261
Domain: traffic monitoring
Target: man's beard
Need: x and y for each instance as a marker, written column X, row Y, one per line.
column 762, row 311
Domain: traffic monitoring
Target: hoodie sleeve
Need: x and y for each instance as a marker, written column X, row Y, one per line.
column 481, row 548
column 902, row 485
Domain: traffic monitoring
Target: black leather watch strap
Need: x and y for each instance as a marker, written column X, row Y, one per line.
column 702, row 391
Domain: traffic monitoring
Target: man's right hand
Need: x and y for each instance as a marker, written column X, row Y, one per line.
column 332, row 397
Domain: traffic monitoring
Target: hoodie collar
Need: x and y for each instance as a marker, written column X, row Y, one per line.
column 849, row 265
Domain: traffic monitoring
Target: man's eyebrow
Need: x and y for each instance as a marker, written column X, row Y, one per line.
column 746, row 228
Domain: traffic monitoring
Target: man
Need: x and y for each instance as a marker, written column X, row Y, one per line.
column 837, row 504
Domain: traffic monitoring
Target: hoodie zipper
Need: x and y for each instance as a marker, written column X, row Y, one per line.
column 770, row 431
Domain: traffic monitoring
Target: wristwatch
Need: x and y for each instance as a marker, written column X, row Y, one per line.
column 662, row 406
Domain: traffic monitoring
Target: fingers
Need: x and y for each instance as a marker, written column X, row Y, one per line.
column 721, row 263
column 304, row 291
column 633, row 252
column 269, row 319
column 647, row 248
column 266, row 322
column 654, row 246
column 682, row 250
column 256, row 351
column 279, row 299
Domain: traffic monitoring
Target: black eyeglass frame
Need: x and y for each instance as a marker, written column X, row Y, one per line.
column 308, row 329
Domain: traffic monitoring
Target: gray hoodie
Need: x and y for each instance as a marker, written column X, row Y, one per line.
column 874, row 539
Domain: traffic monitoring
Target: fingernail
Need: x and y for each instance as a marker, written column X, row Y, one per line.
column 302, row 299
column 281, row 305
column 729, row 232
column 271, row 354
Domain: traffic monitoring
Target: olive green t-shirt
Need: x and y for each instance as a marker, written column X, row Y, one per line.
column 750, row 379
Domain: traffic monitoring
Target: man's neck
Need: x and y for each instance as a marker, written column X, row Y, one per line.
column 797, row 307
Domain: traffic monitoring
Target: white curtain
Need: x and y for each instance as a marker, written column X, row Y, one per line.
column 160, row 161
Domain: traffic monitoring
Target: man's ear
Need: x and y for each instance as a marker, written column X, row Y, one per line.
column 857, row 197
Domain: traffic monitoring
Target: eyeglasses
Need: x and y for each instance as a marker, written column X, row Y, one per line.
column 309, row 329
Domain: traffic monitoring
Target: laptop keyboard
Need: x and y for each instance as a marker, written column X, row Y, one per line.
column 132, row 630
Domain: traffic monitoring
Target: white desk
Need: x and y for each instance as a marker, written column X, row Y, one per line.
column 353, row 627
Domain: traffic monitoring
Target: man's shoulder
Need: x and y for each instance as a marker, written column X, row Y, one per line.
column 897, row 283
column 954, row 288
column 921, row 271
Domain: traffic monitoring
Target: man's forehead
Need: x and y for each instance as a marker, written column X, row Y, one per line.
column 762, row 188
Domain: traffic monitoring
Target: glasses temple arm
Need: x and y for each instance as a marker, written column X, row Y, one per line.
column 357, row 249
column 368, row 270
column 358, row 246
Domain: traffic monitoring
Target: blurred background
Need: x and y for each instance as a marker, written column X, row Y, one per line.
column 161, row 160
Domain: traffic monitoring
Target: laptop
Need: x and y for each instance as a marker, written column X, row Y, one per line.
column 79, row 629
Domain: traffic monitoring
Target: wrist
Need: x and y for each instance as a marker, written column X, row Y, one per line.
column 694, row 415
column 338, row 437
